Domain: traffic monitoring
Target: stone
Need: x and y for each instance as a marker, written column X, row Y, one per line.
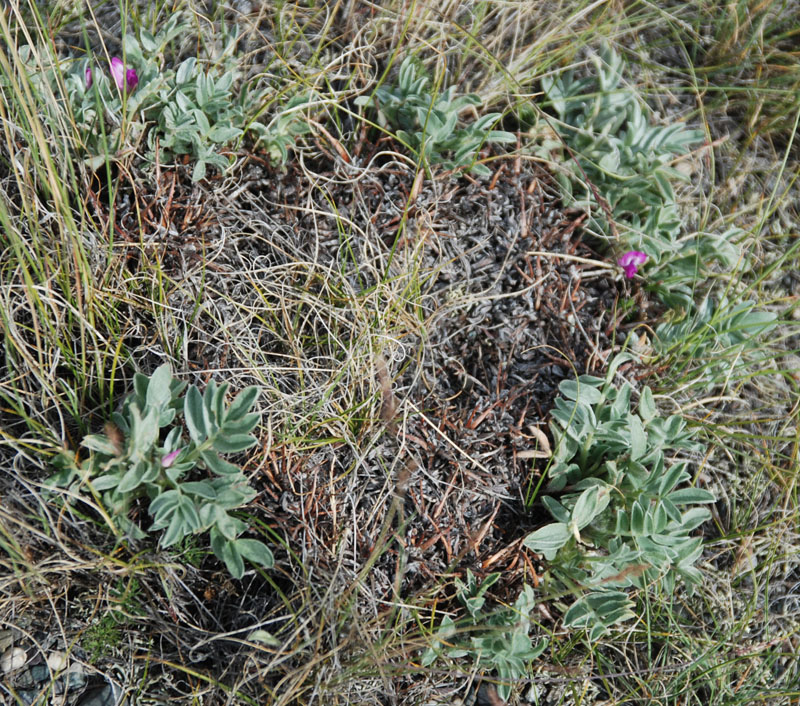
column 13, row 658
column 57, row 660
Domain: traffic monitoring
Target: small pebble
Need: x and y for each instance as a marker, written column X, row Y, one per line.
column 57, row 660
column 13, row 658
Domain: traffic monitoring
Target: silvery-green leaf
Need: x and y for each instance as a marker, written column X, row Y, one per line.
column 172, row 440
column 132, row 52
column 480, row 170
column 556, row 509
column 106, row 482
column 255, row 551
column 148, row 41
column 638, row 437
column 188, row 511
column 693, row 518
column 230, row 527
column 234, row 443
column 637, row 519
column 589, row 505
column 233, row 560
column 132, row 478
column 202, row 488
column 207, row 513
column 166, row 416
column 691, row 495
column 240, row 426
column 194, row 416
column 120, row 421
column 143, row 432
column 233, row 497
column 166, row 502
column 175, row 532
column 500, row 136
column 660, row 518
column 158, row 387
column 622, row 401
column 221, row 467
column 548, row 540
column 101, row 443
column 221, row 134
column 581, row 392
column 224, row 82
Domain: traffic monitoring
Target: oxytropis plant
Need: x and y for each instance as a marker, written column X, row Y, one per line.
column 429, row 124
column 616, row 153
column 144, row 457
column 624, row 506
column 497, row 639
column 147, row 99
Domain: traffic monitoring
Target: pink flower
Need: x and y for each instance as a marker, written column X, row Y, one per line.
column 132, row 79
column 631, row 260
column 126, row 79
column 168, row 459
column 88, row 75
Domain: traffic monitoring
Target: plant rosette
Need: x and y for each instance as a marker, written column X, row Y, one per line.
column 143, row 456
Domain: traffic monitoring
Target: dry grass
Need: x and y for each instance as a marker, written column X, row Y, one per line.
column 402, row 347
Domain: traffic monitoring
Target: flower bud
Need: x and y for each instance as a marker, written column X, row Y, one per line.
column 168, row 459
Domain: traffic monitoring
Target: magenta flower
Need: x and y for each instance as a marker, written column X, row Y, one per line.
column 132, row 79
column 631, row 260
column 88, row 75
column 126, row 79
column 169, row 459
